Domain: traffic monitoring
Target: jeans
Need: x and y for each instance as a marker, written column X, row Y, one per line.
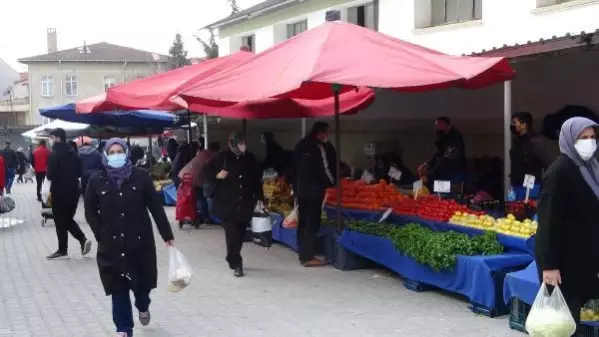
column 309, row 222
column 10, row 178
column 122, row 312
column 203, row 205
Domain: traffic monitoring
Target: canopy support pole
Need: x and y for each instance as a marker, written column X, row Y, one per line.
column 189, row 134
column 339, row 220
column 304, row 127
column 150, row 154
column 205, row 129
column 507, row 136
column 244, row 127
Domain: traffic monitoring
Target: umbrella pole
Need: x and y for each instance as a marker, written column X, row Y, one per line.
column 507, row 136
column 339, row 220
column 205, row 125
column 244, row 127
column 150, row 154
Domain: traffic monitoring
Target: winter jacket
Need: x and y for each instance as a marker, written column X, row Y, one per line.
column 314, row 168
column 235, row 196
column 567, row 234
column 10, row 158
column 528, row 156
column 449, row 159
column 91, row 161
column 21, row 162
column 123, row 229
column 64, row 171
column 39, row 159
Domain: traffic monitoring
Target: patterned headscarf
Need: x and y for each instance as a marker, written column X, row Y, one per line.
column 118, row 174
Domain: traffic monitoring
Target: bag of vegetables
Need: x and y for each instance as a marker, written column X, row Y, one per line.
column 549, row 315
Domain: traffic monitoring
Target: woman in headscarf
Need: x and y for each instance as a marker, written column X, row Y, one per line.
column 237, row 190
column 568, row 211
column 116, row 207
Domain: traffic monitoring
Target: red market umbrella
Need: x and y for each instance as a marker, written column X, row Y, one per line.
column 156, row 92
column 341, row 53
column 350, row 103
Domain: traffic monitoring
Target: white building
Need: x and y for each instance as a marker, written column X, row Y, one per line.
column 555, row 60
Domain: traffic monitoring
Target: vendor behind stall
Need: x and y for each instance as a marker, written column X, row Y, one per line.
column 390, row 159
column 449, row 160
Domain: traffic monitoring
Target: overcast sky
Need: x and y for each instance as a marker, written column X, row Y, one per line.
column 144, row 24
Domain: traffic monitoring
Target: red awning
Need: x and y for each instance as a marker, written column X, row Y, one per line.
column 342, row 53
column 155, row 92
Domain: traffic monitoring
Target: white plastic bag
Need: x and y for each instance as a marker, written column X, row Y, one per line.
column 262, row 227
column 179, row 270
column 291, row 219
column 549, row 315
column 46, row 191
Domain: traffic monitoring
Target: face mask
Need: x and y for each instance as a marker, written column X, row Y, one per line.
column 116, row 160
column 586, row 148
column 242, row 148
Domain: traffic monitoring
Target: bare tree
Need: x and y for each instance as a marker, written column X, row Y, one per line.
column 234, row 7
column 210, row 46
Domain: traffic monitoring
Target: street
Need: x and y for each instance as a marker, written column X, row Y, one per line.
column 278, row 297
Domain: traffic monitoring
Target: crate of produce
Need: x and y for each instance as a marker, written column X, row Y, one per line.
column 340, row 257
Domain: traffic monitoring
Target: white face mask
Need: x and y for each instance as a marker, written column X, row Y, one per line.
column 586, row 148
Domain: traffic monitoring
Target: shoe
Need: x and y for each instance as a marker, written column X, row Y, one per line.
column 314, row 263
column 121, row 334
column 86, row 247
column 144, row 318
column 57, row 256
column 238, row 272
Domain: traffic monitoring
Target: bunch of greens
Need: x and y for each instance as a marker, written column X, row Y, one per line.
column 435, row 249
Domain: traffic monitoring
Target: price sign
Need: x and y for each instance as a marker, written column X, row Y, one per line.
column 529, row 181
column 394, row 173
column 385, row 215
column 369, row 150
column 442, row 186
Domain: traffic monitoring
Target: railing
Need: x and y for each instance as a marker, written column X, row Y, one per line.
column 14, row 101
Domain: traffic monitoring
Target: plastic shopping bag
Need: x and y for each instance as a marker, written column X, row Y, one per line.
column 179, row 270
column 46, row 191
column 7, row 204
column 262, row 227
column 291, row 219
column 549, row 315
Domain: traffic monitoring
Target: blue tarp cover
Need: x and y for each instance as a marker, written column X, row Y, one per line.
column 523, row 285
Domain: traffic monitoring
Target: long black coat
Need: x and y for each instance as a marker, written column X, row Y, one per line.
column 235, row 196
column 566, row 239
column 121, row 224
column 64, row 171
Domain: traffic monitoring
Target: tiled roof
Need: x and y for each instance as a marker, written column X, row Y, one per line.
column 540, row 46
column 246, row 12
column 99, row 52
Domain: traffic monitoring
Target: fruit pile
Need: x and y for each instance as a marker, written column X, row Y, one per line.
column 159, row 184
column 590, row 312
column 360, row 196
column 508, row 225
column 278, row 196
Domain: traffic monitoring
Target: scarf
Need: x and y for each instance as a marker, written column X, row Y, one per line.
column 569, row 134
column 118, row 174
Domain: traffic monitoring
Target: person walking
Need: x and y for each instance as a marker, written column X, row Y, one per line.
column 237, row 191
column 39, row 161
column 197, row 168
column 568, row 210
column 312, row 176
column 10, row 165
column 91, row 162
column 22, row 164
column 64, row 171
column 116, row 207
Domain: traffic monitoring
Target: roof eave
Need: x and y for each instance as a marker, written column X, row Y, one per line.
column 226, row 22
column 97, row 61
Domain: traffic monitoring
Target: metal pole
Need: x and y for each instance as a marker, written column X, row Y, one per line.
column 205, row 127
column 304, row 127
column 507, row 136
column 339, row 221
column 189, row 134
column 244, row 126
column 150, row 154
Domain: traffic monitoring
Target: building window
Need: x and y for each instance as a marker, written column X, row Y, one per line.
column 454, row 11
column 362, row 16
column 47, row 86
column 71, row 85
column 109, row 82
column 296, row 28
column 248, row 41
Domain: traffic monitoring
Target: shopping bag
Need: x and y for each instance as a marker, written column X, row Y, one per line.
column 46, row 191
column 7, row 204
column 549, row 315
column 262, row 227
column 291, row 219
column 186, row 203
column 179, row 270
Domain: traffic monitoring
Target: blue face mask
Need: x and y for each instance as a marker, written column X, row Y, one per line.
column 116, row 160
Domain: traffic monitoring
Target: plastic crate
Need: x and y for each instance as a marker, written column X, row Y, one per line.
column 518, row 313
column 587, row 331
column 342, row 258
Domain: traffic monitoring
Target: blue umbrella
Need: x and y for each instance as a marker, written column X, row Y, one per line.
column 134, row 118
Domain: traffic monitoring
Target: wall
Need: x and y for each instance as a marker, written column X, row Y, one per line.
column 90, row 81
column 503, row 22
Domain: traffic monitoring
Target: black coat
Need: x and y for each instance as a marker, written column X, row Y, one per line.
column 449, row 159
column 235, row 196
column 528, row 156
column 122, row 226
column 64, row 171
column 566, row 239
column 22, row 162
column 314, row 168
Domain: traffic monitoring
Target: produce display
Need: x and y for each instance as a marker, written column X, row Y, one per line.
column 508, row 225
column 159, row 184
column 435, row 249
column 278, row 196
column 160, row 171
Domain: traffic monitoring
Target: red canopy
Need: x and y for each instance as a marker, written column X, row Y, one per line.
column 342, row 53
column 155, row 92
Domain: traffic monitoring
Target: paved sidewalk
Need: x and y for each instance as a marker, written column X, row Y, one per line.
column 277, row 298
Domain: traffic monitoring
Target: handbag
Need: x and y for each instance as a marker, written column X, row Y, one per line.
column 262, row 227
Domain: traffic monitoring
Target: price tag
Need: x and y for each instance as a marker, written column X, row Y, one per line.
column 529, row 181
column 442, row 186
column 369, row 150
column 386, row 215
column 394, row 173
